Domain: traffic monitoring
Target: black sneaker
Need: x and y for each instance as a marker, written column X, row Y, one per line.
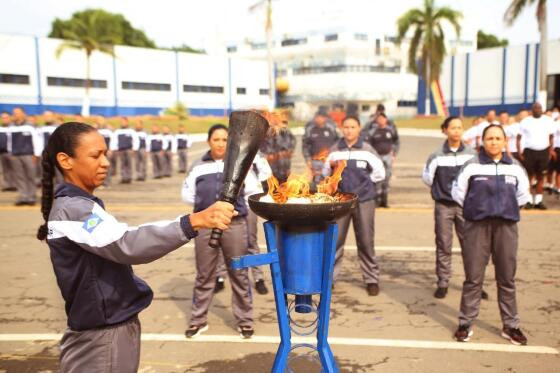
column 219, row 285
column 463, row 333
column 245, row 332
column 515, row 336
column 195, row 330
column 483, row 295
column 528, row 206
column 440, row 293
column 372, row 289
column 539, row 206
column 261, row 287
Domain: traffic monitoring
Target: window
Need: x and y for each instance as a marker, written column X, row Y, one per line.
column 365, row 107
column 241, row 91
column 405, row 103
column 377, row 47
column 72, row 82
column 331, row 37
column 361, row 37
column 257, row 46
column 146, row 86
column 263, row 92
column 14, row 79
column 232, row 49
column 289, row 42
column 202, row 88
column 341, row 68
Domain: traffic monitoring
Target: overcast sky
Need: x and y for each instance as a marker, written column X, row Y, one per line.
column 207, row 23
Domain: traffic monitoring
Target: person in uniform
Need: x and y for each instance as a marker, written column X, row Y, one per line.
column 491, row 187
column 363, row 170
column 126, row 142
column 26, row 150
column 155, row 143
column 168, row 151
column 201, row 188
column 319, row 136
column 385, row 140
column 512, row 130
column 92, row 253
column 182, row 142
column 6, row 161
column 141, row 160
column 109, row 139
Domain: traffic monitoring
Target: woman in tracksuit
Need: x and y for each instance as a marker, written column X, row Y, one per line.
column 202, row 188
column 491, row 188
column 92, row 253
column 363, row 170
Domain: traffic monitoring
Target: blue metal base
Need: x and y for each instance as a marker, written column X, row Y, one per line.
column 277, row 254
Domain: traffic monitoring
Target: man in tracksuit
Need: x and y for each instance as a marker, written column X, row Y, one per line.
column 109, row 138
column 126, row 142
column 8, row 182
column 385, row 140
column 363, row 170
column 26, row 148
column 278, row 150
column 168, row 151
column 441, row 169
column 45, row 132
column 155, row 143
column 320, row 135
column 182, row 142
column 141, row 160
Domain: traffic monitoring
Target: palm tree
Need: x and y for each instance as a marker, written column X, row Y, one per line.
column 511, row 15
column 86, row 32
column 428, row 40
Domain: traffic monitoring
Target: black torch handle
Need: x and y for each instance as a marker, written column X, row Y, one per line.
column 215, row 238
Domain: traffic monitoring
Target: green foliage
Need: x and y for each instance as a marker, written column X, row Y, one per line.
column 179, row 110
column 484, row 40
column 428, row 39
column 97, row 24
column 186, row 48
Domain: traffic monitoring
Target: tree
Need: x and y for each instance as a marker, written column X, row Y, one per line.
column 511, row 15
column 428, row 40
column 484, row 40
column 86, row 31
column 186, row 48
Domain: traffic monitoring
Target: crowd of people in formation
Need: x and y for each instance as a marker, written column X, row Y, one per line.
column 22, row 142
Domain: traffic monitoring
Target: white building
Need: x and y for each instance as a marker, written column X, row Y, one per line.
column 135, row 81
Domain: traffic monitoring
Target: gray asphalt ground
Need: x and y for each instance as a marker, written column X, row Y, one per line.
column 403, row 329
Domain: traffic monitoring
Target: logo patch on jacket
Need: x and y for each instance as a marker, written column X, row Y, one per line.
column 92, row 222
column 511, row 179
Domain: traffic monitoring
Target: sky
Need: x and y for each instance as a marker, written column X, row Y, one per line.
column 211, row 24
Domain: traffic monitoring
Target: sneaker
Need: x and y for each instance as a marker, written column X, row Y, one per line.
column 515, row 336
column 261, row 287
column 440, row 293
column 372, row 289
column 20, row 203
column 539, row 206
column 245, row 332
column 483, row 295
column 528, row 206
column 463, row 333
column 195, row 330
column 219, row 285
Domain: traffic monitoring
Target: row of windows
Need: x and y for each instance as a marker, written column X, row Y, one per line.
column 345, row 69
column 140, row 86
column 72, row 82
column 405, row 103
column 14, row 79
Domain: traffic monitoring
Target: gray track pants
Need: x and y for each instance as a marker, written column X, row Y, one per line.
column 24, row 172
column 8, row 170
column 157, row 164
column 182, row 154
column 497, row 238
column 113, row 349
column 141, row 161
column 363, row 220
column 234, row 243
column 446, row 216
column 167, row 163
column 125, row 159
column 253, row 249
column 383, row 186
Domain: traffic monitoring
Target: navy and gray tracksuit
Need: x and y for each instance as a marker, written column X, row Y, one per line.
column 278, row 150
column 92, row 254
column 363, row 170
column 8, row 178
column 386, row 143
column 45, row 133
column 141, row 160
column 491, row 193
column 155, row 143
column 109, row 142
column 316, row 143
column 202, row 187
column 182, row 142
column 441, row 169
column 26, row 143
column 124, row 144
column 169, row 150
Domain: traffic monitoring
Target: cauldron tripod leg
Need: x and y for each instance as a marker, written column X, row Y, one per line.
column 281, row 360
column 325, row 353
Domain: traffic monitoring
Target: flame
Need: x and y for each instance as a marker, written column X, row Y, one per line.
column 297, row 186
column 276, row 120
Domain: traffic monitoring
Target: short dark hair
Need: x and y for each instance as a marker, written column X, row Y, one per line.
column 503, row 112
column 352, row 117
column 493, row 126
column 447, row 121
column 215, row 127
